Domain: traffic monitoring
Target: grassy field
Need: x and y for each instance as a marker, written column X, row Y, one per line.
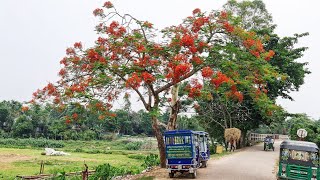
column 27, row 160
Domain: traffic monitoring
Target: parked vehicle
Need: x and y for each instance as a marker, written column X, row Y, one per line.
column 299, row 160
column 204, row 148
column 182, row 152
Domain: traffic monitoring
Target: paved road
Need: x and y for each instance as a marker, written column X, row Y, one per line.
column 250, row 164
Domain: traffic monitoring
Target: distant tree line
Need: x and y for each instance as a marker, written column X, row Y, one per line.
column 47, row 122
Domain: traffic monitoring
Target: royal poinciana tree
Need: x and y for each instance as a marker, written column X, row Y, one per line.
column 128, row 58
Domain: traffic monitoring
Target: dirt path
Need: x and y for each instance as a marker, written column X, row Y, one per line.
column 250, row 164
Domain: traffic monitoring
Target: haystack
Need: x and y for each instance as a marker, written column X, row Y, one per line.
column 232, row 134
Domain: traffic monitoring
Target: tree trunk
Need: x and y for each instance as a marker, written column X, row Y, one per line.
column 243, row 141
column 175, row 106
column 160, row 141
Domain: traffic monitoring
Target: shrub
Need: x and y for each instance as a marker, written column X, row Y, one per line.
column 133, row 145
column 107, row 172
column 136, row 156
column 110, row 137
column 151, row 160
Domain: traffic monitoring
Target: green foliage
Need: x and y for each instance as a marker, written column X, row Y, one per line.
column 107, row 172
column 304, row 122
column 41, row 143
column 151, row 160
column 136, row 156
column 133, row 145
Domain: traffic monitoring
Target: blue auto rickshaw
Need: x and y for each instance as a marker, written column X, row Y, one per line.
column 204, row 148
column 182, row 152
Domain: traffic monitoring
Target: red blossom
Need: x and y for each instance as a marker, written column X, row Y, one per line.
column 134, row 81
column 93, row 55
column 259, row 46
column 248, row 43
column 229, row 28
column 77, row 45
column 68, row 121
column 108, row 5
column 147, row 77
column 193, row 49
column 224, row 15
column 62, row 72
column 197, row 60
column 239, row 96
column 255, row 53
column 181, row 70
column 194, row 89
column 221, row 78
column 56, row 100
column 269, row 55
column 98, row 12
column 141, row 48
column 196, row 11
column 207, row 72
column 147, row 24
column 70, row 51
column 24, row 108
column 187, row 40
column 64, row 61
column 75, row 116
column 198, row 23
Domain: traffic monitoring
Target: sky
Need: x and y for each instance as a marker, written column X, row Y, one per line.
column 35, row 33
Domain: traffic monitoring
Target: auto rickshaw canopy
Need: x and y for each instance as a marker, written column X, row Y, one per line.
column 299, row 145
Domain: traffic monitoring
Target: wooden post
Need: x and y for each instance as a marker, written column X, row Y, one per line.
column 41, row 167
column 85, row 173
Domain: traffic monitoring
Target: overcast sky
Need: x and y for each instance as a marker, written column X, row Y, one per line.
column 35, row 33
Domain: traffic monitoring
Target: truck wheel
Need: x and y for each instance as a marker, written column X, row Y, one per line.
column 171, row 175
column 194, row 175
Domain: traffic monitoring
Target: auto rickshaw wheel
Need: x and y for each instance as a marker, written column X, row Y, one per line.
column 204, row 164
column 171, row 175
column 194, row 175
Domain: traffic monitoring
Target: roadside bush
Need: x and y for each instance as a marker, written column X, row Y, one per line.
column 133, row 145
column 107, row 172
column 151, row 160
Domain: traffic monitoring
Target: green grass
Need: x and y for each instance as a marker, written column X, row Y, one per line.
column 11, row 165
column 27, row 160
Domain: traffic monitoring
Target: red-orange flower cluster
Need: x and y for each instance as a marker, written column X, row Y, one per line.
column 269, row 55
column 229, row 28
column 98, row 12
column 255, row 46
column 197, row 60
column 198, row 23
column 194, row 89
column 147, row 77
column 24, row 108
column 187, row 40
column 108, row 5
column 221, row 78
column 207, row 72
column 77, row 45
column 134, row 81
column 196, row 11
